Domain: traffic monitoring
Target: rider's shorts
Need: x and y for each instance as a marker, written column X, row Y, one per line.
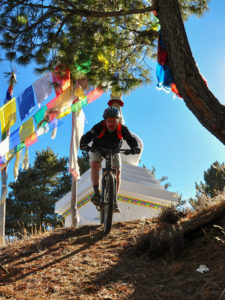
column 96, row 156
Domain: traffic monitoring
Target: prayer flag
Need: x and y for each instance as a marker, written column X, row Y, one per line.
column 39, row 116
column 64, row 113
column 9, row 154
column 82, row 82
column 51, row 103
column 161, row 53
column 16, row 166
column 93, row 95
column 64, row 100
column 31, row 140
column 25, row 163
column 8, row 115
column 55, row 123
column 61, row 79
column 26, row 130
column 43, row 88
column 19, row 147
column 9, row 94
column 2, row 160
column 79, row 105
column 14, row 139
column 26, row 102
column 4, row 146
column 79, row 92
column 42, row 130
column 77, row 131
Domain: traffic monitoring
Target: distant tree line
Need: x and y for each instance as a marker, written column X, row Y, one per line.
column 32, row 197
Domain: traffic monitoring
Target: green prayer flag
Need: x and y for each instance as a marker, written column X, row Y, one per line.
column 84, row 67
column 39, row 116
column 19, row 147
column 79, row 105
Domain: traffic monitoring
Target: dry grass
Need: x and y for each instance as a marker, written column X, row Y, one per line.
column 203, row 201
column 170, row 215
column 84, row 264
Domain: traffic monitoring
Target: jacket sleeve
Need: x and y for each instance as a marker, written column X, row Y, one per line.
column 90, row 135
column 131, row 140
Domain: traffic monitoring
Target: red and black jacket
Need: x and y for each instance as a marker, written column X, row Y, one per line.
column 102, row 138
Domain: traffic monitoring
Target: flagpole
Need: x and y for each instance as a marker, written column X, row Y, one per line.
column 74, row 202
column 76, row 133
column 4, row 173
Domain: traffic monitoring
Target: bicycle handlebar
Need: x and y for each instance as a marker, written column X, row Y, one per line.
column 112, row 151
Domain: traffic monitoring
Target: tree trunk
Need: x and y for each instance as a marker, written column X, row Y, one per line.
column 200, row 220
column 192, row 88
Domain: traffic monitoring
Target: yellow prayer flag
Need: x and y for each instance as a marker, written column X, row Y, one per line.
column 104, row 60
column 8, row 115
column 79, row 92
column 64, row 113
column 9, row 154
column 26, row 130
column 64, row 100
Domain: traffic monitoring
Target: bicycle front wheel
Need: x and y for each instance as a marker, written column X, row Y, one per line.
column 109, row 198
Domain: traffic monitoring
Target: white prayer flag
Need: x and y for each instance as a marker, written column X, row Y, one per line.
column 77, row 132
column 43, row 88
column 4, row 146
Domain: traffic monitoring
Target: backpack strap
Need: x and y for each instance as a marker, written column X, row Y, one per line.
column 119, row 132
column 102, row 131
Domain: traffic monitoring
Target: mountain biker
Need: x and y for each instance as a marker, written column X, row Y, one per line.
column 107, row 134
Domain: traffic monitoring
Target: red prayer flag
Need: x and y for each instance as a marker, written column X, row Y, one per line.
column 31, row 140
column 61, row 78
column 95, row 94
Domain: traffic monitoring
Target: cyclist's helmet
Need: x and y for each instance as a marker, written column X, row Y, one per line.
column 111, row 112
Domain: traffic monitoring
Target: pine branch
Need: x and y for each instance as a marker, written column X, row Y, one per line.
column 84, row 12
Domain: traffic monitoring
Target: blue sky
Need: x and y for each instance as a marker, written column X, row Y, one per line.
column 175, row 143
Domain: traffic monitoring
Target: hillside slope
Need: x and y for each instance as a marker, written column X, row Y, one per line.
column 84, row 264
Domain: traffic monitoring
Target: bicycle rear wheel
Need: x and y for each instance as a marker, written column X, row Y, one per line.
column 109, row 198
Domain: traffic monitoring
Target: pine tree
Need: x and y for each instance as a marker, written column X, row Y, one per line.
column 31, row 201
column 214, row 181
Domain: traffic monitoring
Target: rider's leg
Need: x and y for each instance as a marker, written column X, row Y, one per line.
column 118, row 179
column 95, row 169
column 117, row 165
column 95, row 164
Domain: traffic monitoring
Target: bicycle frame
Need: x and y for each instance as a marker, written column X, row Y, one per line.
column 109, row 186
column 106, row 171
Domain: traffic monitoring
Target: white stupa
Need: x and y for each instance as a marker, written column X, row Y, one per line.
column 140, row 194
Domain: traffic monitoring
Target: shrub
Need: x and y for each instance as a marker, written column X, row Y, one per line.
column 169, row 215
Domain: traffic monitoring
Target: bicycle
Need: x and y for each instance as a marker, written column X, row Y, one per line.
column 108, row 186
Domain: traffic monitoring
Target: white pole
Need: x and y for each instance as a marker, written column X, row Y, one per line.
column 12, row 81
column 74, row 203
column 3, row 207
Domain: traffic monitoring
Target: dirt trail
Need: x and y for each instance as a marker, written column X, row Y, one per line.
column 85, row 264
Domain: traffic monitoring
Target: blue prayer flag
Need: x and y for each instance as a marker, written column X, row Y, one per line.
column 26, row 102
column 14, row 139
column 55, row 123
column 2, row 160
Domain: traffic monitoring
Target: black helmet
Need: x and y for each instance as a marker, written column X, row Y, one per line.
column 111, row 112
